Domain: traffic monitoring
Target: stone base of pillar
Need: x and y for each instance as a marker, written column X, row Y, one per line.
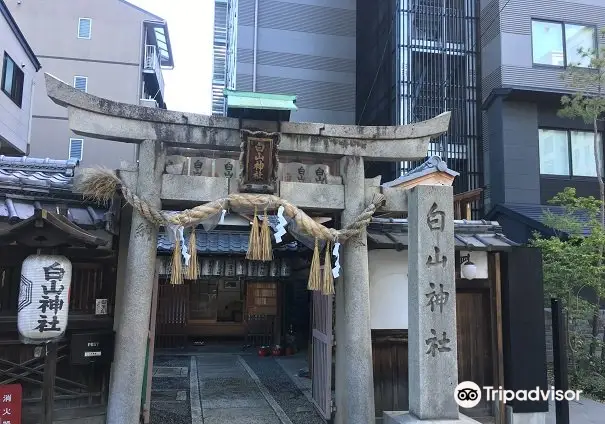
column 525, row 418
column 397, row 417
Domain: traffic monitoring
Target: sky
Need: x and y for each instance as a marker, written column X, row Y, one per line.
column 190, row 25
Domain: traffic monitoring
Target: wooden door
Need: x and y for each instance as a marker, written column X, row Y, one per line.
column 474, row 338
column 172, row 315
column 321, row 369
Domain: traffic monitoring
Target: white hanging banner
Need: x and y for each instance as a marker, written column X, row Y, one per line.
column 43, row 298
column 336, row 253
column 281, row 227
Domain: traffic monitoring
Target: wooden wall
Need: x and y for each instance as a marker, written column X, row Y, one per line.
column 475, row 351
column 390, row 359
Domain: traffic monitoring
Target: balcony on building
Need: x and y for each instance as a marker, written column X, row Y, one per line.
column 157, row 56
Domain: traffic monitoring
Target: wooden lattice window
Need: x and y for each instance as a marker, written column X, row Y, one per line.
column 261, row 299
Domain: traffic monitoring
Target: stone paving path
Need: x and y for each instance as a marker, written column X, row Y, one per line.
column 585, row 411
column 170, row 390
column 221, row 388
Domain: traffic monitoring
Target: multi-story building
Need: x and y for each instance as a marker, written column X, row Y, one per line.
column 531, row 153
column 292, row 47
column 420, row 58
column 18, row 70
column 109, row 48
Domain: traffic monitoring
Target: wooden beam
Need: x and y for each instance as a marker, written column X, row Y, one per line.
column 96, row 117
column 468, row 195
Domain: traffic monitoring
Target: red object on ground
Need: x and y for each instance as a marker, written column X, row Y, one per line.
column 289, row 351
column 264, row 351
column 10, row 403
column 277, row 351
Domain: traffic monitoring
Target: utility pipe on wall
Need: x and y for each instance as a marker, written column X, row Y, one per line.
column 255, row 46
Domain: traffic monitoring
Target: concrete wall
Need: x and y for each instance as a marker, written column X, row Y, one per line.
column 388, row 289
column 15, row 120
column 305, row 48
column 514, row 159
column 507, row 43
column 111, row 60
column 389, row 286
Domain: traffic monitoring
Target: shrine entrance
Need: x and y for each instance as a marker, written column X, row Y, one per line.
column 258, row 190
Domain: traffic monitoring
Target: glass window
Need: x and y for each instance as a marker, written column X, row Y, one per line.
column 76, row 145
column 558, row 44
column 554, row 152
column 81, row 83
column 547, row 39
column 579, row 37
column 582, row 153
column 12, row 80
column 84, row 28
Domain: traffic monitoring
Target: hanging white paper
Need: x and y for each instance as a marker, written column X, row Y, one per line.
column 43, row 298
column 281, row 227
column 184, row 251
column 222, row 220
column 336, row 253
column 175, row 234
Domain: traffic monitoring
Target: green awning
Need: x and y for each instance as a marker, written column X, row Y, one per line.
column 249, row 100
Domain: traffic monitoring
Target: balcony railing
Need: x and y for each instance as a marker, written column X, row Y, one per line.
column 152, row 64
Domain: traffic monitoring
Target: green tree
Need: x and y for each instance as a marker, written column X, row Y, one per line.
column 573, row 261
column 588, row 103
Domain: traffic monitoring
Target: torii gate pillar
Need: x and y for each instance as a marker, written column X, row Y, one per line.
column 132, row 334
column 354, row 372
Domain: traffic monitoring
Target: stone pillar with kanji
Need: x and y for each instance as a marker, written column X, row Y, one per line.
column 433, row 363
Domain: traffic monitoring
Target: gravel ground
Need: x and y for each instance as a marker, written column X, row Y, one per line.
column 288, row 396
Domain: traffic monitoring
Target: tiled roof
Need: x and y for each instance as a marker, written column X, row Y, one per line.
column 432, row 164
column 33, row 175
column 468, row 235
column 535, row 215
column 218, row 242
column 27, row 184
column 15, row 210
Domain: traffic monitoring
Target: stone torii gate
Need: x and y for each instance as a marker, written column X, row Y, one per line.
column 155, row 130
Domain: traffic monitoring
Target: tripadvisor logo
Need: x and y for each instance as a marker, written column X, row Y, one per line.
column 468, row 394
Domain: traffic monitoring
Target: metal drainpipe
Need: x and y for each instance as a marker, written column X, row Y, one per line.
column 31, row 115
column 255, row 45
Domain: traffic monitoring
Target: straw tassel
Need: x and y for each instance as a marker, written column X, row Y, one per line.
column 192, row 272
column 266, row 247
column 254, row 247
column 327, row 287
column 315, row 271
column 176, row 274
